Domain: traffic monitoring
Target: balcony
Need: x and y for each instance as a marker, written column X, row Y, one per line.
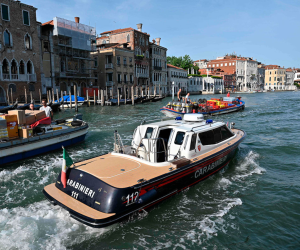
column 14, row 76
column 109, row 83
column 6, row 77
column 31, row 77
column 139, row 57
column 22, row 77
column 109, row 66
column 157, row 68
column 142, row 75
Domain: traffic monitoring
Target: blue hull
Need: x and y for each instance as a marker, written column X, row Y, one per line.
column 46, row 149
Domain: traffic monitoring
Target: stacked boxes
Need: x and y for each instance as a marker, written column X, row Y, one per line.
column 3, row 129
column 25, row 132
column 12, row 125
column 39, row 114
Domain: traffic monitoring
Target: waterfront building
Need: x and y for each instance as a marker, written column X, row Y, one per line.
column 195, row 85
column 275, row 77
column 290, row 76
column 158, row 67
column 212, row 85
column 243, row 69
column 297, row 77
column 20, row 51
column 66, row 55
column 202, row 64
column 261, row 76
column 178, row 77
column 115, row 68
column 137, row 41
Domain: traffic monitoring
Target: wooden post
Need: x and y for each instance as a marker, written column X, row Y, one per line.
column 25, row 95
column 132, row 95
column 125, row 95
column 94, row 97
column 75, row 98
column 57, row 96
column 62, row 98
column 7, row 97
column 118, row 92
column 106, row 97
column 159, row 90
column 98, row 94
column 53, row 98
column 70, row 98
column 40, row 96
column 102, row 97
column 12, row 100
column 31, row 97
column 87, row 98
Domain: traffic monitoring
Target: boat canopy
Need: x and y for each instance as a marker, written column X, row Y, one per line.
column 66, row 98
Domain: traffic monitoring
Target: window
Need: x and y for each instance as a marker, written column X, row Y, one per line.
column 270, row 79
column 26, row 17
column 5, row 67
column 118, row 60
column 125, row 78
column 275, row 78
column 229, row 64
column 148, row 133
column 213, row 65
column 221, row 64
column 225, row 64
column 179, row 138
column 125, row 61
column 27, row 42
column 22, row 68
column 46, row 46
column 131, row 78
column 29, row 68
column 95, row 62
column 193, row 142
column 5, row 12
column 232, row 63
column 207, row 138
column 14, row 67
column 119, row 78
column 128, row 38
column 7, row 40
column 130, row 59
column 217, row 65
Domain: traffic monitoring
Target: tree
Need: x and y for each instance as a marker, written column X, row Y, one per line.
column 183, row 62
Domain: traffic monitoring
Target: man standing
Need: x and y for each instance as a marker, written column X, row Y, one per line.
column 187, row 98
column 47, row 109
column 178, row 95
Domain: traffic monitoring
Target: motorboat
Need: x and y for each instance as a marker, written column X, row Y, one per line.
column 67, row 102
column 214, row 106
column 164, row 158
column 44, row 138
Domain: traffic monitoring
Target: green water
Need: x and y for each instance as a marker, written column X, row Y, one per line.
column 252, row 204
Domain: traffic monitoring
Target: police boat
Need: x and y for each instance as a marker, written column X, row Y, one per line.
column 164, row 158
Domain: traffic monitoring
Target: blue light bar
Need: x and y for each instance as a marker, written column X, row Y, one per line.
column 178, row 118
column 209, row 121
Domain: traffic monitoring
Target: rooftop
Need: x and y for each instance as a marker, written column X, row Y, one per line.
column 121, row 30
column 175, row 67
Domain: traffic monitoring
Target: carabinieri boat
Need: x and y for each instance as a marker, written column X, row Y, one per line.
column 62, row 132
column 215, row 106
column 164, row 159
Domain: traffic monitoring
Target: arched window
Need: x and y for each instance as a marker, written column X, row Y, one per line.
column 22, row 68
column 12, row 88
column 14, row 70
column 128, row 38
column 29, row 68
column 5, row 69
column 27, row 42
column 62, row 65
column 7, row 39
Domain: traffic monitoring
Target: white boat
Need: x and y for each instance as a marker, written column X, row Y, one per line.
column 68, row 105
column 62, row 132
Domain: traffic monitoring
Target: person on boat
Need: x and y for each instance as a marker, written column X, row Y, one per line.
column 31, row 107
column 228, row 94
column 47, row 109
column 187, row 98
column 178, row 95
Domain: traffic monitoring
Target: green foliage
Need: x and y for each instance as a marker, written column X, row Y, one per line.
column 297, row 84
column 218, row 77
column 183, row 62
column 205, row 75
column 194, row 75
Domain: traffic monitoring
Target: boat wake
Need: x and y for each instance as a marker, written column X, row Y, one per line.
column 38, row 227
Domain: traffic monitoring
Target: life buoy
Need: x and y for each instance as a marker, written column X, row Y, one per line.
column 199, row 147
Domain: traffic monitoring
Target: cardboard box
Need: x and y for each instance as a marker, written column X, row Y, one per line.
column 26, row 132
column 20, row 115
column 39, row 114
column 30, row 119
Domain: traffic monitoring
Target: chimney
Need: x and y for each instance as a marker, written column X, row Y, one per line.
column 77, row 19
column 158, row 41
column 139, row 26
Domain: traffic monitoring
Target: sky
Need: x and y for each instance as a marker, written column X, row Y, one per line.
column 266, row 30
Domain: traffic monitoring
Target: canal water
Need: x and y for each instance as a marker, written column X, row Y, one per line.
column 253, row 204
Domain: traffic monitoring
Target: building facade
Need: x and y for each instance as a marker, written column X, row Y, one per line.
column 115, row 68
column 137, row 41
column 177, row 78
column 66, row 55
column 195, row 85
column 20, row 51
column 261, row 77
column 275, row 77
column 202, row 64
column 212, row 85
column 290, row 76
column 158, row 67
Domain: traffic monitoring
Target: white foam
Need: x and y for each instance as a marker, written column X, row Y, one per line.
column 42, row 226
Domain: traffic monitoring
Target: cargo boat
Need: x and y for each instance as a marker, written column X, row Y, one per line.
column 204, row 107
column 164, row 158
column 62, row 132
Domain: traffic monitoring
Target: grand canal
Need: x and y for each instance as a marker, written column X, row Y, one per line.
column 252, row 204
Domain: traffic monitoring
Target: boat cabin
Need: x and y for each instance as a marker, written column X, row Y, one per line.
column 169, row 140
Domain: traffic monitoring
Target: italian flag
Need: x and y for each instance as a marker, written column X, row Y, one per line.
column 67, row 162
